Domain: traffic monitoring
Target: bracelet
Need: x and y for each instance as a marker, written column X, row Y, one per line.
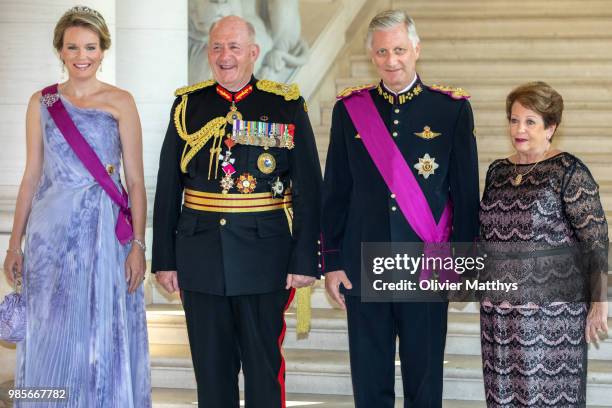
column 16, row 251
column 140, row 244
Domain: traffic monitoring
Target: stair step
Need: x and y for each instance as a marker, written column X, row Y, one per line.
column 166, row 325
column 463, row 337
column 448, row 9
column 600, row 111
column 486, row 68
column 496, row 89
column 329, row 331
column 492, row 153
column 574, row 139
column 574, row 117
column 184, row 398
column 600, row 170
column 598, row 105
column 583, row 147
column 534, row 49
column 328, row 372
column 513, row 27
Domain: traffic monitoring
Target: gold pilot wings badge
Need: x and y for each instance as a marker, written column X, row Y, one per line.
column 427, row 133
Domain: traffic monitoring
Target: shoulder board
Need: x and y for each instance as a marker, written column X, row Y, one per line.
column 195, row 87
column 290, row 92
column 353, row 90
column 455, row 93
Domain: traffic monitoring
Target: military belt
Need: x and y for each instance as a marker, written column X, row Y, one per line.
column 235, row 203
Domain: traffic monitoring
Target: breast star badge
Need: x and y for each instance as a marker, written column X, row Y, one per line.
column 427, row 133
column 426, row 166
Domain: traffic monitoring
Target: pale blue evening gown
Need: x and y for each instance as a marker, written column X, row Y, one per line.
column 85, row 332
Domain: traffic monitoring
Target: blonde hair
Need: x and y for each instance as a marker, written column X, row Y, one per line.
column 81, row 16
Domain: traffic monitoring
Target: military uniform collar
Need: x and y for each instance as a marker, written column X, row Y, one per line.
column 404, row 96
column 239, row 95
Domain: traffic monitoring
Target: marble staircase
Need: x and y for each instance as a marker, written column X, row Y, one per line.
column 486, row 47
column 318, row 367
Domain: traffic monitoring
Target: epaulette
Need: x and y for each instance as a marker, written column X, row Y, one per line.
column 195, row 87
column 354, row 89
column 455, row 93
column 290, row 92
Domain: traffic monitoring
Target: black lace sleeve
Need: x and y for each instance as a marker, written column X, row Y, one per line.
column 585, row 214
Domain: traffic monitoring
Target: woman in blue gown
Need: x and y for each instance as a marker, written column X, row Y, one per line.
column 86, row 328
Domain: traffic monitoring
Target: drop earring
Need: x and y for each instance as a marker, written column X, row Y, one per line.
column 100, row 67
column 63, row 71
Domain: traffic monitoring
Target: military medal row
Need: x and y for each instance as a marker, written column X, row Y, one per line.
column 263, row 134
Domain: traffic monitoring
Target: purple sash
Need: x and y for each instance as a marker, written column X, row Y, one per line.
column 400, row 180
column 85, row 153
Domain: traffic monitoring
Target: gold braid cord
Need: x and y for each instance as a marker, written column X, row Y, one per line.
column 303, row 294
column 195, row 141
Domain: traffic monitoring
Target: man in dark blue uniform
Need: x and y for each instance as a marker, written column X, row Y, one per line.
column 235, row 222
column 431, row 129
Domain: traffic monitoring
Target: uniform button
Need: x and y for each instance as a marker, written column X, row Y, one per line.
column 394, row 208
column 319, row 253
column 394, row 134
column 320, row 266
column 396, row 110
column 392, row 195
column 222, row 221
column 319, row 242
column 396, row 121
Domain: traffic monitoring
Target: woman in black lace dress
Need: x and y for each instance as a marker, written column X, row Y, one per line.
column 534, row 345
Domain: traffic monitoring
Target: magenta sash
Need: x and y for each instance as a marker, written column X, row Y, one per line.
column 91, row 161
column 400, row 180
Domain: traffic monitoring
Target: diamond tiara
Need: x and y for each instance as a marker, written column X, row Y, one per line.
column 83, row 10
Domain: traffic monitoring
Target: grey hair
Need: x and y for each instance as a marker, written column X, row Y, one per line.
column 250, row 27
column 388, row 19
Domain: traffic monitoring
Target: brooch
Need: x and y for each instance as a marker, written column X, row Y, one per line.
column 49, row 99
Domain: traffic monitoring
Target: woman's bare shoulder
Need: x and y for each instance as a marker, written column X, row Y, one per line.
column 117, row 96
column 36, row 96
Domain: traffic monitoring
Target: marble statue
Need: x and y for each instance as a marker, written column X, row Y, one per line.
column 278, row 32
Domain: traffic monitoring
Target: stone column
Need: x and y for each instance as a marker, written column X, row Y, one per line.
column 151, row 63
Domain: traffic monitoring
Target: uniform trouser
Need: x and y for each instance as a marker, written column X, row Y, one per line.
column 225, row 331
column 373, row 329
